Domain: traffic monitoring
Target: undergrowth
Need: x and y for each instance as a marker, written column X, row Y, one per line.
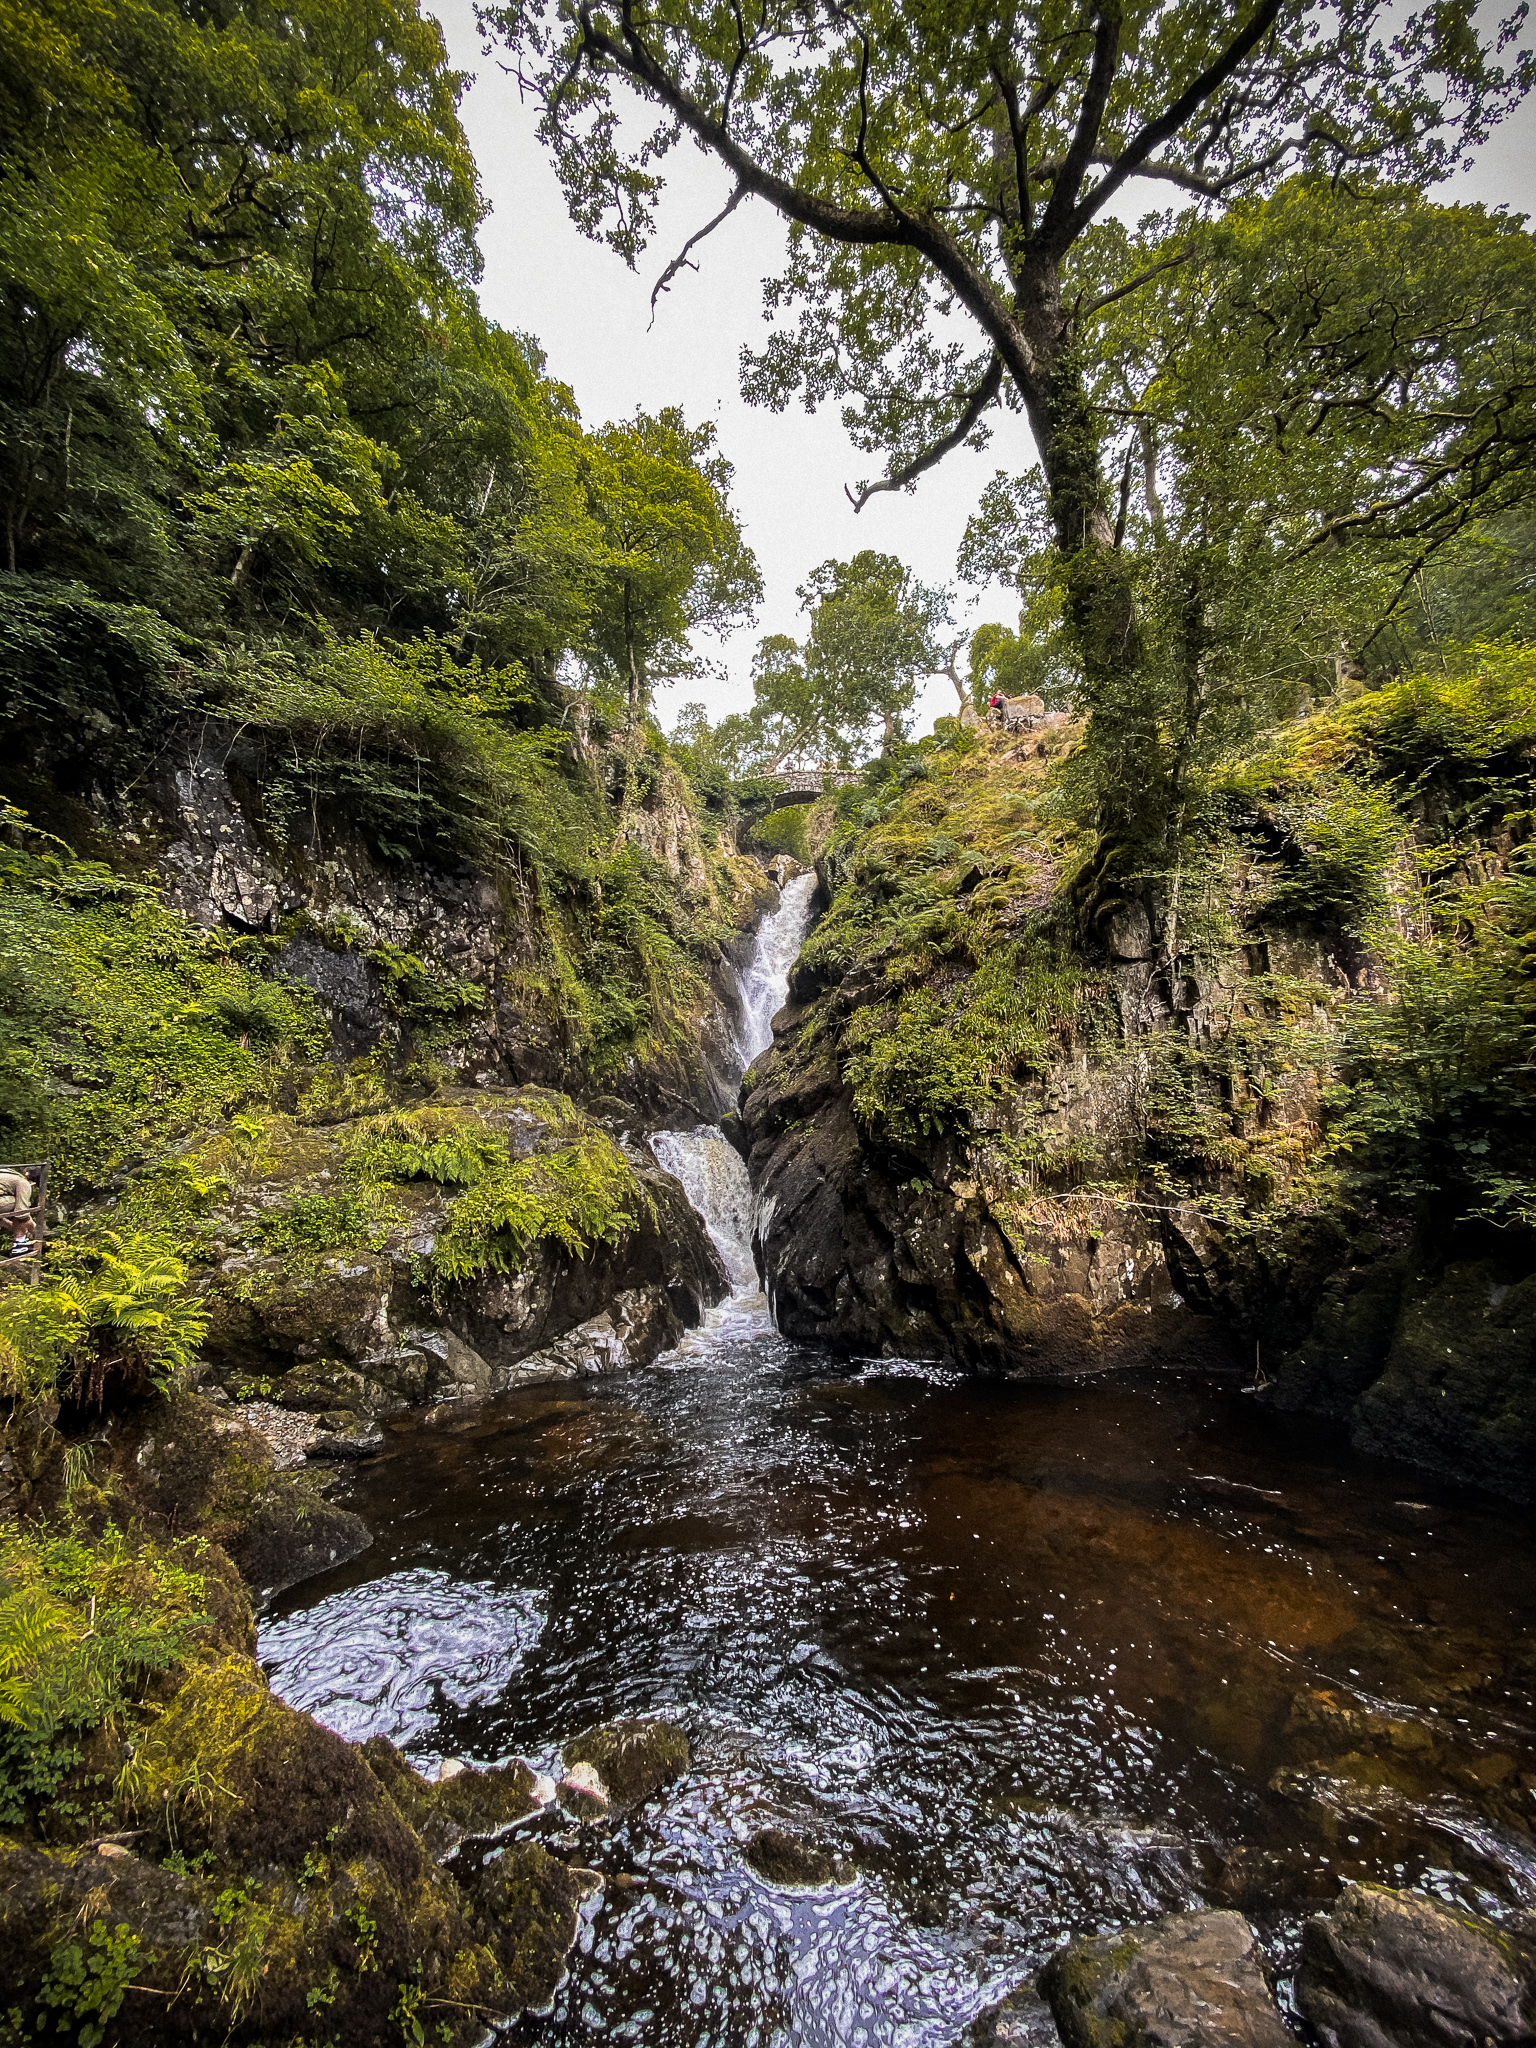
column 583, row 1194
column 1383, row 849
column 125, row 1025
column 86, row 1622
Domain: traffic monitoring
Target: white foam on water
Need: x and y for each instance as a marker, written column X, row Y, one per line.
column 379, row 1659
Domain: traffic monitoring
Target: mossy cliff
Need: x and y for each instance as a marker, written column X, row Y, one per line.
column 194, row 946
column 1040, row 1104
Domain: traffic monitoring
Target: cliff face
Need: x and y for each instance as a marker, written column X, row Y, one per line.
column 1035, row 1118
column 480, row 970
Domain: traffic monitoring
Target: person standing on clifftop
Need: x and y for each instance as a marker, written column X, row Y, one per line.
column 16, row 1193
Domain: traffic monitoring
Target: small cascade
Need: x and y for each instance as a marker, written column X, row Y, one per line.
column 712, row 1172
column 714, row 1178
column 765, row 979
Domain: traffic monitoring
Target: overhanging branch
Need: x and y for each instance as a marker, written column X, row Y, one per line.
column 986, row 391
column 680, row 260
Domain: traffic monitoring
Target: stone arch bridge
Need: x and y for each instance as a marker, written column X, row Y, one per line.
column 804, row 785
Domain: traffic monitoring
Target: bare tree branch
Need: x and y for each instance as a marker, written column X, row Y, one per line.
column 1057, row 228
column 985, row 392
column 1135, row 285
column 680, row 260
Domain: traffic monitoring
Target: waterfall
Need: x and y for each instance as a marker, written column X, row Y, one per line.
column 714, row 1178
column 765, row 979
column 712, row 1172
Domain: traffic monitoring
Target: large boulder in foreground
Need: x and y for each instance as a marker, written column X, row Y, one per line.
column 260, row 1870
column 1189, row 1980
column 1387, row 1969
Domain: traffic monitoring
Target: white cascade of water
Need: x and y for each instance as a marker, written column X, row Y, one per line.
column 712, row 1171
column 765, row 979
column 714, row 1178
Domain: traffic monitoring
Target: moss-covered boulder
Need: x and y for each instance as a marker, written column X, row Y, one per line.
column 634, row 1759
column 1189, row 1980
column 389, row 1258
column 265, row 1872
column 477, row 1805
column 189, row 1464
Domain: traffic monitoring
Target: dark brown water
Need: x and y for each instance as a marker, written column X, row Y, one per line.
column 1034, row 1660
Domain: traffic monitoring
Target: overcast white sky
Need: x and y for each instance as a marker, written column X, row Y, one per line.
column 592, row 316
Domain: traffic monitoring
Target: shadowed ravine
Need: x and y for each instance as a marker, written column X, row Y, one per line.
column 1025, row 1659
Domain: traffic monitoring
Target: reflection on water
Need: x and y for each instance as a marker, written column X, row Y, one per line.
column 377, row 1659
column 1032, row 1659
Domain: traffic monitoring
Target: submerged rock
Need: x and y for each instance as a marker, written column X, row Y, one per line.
column 785, row 1859
column 1389, row 1969
column 1189, row 1980
column 633, row 1759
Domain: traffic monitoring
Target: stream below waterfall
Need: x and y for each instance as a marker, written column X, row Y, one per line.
column 1025, row 1659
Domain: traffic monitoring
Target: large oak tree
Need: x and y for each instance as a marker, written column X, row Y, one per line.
column 962, row 155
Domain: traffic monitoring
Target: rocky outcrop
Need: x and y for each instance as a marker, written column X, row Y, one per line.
column 257, row 1869
column 1189, row 1980
column 864, row 1253
column 1389, row 1969
column 348, row 920
column 371, row 1327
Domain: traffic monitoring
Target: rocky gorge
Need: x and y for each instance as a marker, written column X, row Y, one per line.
column 429, row 1260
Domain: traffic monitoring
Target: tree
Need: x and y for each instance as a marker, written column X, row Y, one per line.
column 196, row 211
column 1328, row 389
column 961, row 157
column 873, row 637
column 676, row 559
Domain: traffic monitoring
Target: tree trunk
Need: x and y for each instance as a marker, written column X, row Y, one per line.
column 1123, row 736
column 634, row 671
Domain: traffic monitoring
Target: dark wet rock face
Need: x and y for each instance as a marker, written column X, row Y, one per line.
column 859, row 1252
column 634, row 1759
column 1389, row 1969
column 195, row 1466
column 1189, row 1980
column 1429, row 1363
